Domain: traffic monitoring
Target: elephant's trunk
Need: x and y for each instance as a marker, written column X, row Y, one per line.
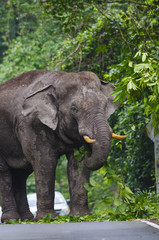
column 100, row 144
column 99, row 155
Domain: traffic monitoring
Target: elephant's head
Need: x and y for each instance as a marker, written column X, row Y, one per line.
column 76, row 106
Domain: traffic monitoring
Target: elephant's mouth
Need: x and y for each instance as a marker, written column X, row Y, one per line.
column 87, row 149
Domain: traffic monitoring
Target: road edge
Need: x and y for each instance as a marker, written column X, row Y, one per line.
column 150, row 223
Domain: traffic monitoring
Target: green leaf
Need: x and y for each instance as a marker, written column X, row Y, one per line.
column 131, row 86
column 138, row 68
column 128, row 190
column 151, row 84
column 131, row 64
column 144, row 56
column 117, row 202
column 137, row 54
column 92, row 182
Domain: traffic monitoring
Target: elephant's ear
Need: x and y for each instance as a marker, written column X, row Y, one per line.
column 107, row 88
column 41, row 105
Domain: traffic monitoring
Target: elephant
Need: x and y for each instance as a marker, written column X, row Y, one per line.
column 44, row 115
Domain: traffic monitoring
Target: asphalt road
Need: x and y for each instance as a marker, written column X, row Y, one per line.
column 80, row 231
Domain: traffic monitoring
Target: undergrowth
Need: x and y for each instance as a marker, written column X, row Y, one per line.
column 142, row 205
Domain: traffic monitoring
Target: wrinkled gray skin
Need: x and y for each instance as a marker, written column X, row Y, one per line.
column 44, row 115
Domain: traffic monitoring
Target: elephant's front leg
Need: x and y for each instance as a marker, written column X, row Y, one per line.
column 78, row 175
column 43, row 159
column 44, row 170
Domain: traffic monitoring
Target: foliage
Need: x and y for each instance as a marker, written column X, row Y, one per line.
column 115, row 34
column 141, row 83
column 74, row 50
column 31, row 184
column 133, row 157
column 17, row 19
column 114, row 193
column 33, row 44
column 3, row 27
column 117, row 201
column 128, row 207
column 75, row 16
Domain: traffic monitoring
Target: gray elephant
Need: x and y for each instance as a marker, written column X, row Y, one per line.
column 44, row 115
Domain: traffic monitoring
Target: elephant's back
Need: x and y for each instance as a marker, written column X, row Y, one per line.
column 24, row 79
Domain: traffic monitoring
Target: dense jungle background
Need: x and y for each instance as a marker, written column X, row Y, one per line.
column 119, row 41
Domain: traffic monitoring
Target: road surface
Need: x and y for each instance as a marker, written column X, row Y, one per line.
column 80, row 231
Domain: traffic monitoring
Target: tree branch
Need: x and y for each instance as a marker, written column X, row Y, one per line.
column 122, row 35
column 61, row 62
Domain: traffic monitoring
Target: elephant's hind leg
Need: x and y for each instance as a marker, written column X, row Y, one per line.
column 9, row 207
column 19, row 189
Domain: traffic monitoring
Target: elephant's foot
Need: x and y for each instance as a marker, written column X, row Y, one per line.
column 26, row 215
column 42, row 214
column 9, row 215
column 80, row 211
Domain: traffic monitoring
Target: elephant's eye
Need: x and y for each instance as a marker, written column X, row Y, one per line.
column 74, row 109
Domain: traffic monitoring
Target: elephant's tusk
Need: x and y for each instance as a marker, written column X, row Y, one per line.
column 88, row 139
column 118, row 136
